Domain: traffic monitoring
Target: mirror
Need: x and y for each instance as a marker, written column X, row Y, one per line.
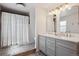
column 69, row 20
column 51, row 24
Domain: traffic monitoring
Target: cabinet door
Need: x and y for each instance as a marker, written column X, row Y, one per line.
column 63, row 51
column 50, row 46
column 67, row 44
column 50, row 52
column 42, row 43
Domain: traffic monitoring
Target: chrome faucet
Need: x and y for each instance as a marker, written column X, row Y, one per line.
column 68, row 34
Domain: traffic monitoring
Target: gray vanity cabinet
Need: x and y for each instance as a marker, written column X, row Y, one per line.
column 41, row 44
column 58, row 47
column 66, row 48
column 47, row 45
column 50, row 46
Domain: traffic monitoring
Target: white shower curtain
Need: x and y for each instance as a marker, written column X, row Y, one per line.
column 14, row 29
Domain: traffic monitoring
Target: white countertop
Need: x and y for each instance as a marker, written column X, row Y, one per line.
column 73, row 39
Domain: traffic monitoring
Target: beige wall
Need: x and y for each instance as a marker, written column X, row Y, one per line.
column 32, row 26
column 40, row 23
column 40, row 20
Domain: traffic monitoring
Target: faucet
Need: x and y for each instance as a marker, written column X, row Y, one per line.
column 68, row 34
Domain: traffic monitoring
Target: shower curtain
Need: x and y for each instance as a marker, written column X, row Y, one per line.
column 14, row 29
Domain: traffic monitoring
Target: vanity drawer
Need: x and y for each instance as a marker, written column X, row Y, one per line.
column 62, row 51
column 52, row 40
column 67, row 44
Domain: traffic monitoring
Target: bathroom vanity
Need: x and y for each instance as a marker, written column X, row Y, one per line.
column 66, row 21
column 52, row 45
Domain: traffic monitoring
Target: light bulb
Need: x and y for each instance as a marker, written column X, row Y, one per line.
column 56, row 11
column 53, row 12
column 50, row 13
column 66, row 6
column 60, row 8
column 69, row 8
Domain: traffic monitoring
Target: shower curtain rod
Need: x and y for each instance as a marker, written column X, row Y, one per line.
column 5, row 9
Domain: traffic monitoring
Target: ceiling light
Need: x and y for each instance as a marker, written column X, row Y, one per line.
column 20, row 4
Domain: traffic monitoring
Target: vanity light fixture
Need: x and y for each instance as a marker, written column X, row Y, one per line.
column 67, row 6
column 60, row 8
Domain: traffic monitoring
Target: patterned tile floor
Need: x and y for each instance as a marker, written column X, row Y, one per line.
column 36, row 54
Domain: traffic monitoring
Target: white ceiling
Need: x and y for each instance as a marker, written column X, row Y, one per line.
column 30, row 6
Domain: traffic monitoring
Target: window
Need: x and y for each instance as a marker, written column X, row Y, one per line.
column 63, row 26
